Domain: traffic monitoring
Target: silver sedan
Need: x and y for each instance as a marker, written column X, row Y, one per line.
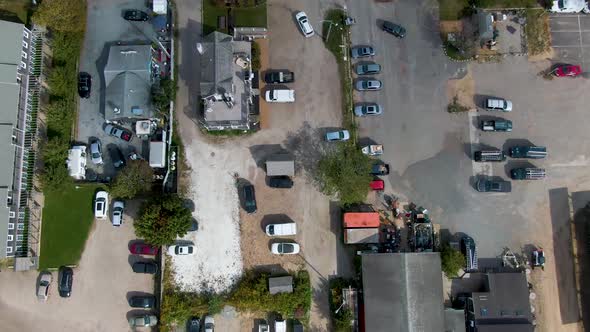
column 367, row 109
column 363, row 85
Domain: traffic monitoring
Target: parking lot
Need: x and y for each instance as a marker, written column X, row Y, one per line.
column 570, row 38
column 103, row 282
column 106, row 27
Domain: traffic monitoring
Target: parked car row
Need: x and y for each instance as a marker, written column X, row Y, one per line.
column 101, row 208
column 64, row 283
column 144, row 301
column 495, row 155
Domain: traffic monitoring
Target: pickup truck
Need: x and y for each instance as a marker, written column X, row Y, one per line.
column 496, row 125
column 527, row 173
column 533, row 152
column 284, row 76
column 380, row 169
column 280, row 96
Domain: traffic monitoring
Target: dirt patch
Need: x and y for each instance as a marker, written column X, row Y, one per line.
column 537, row 31
column 464, row 89
column 544, row 56
column 451, row 26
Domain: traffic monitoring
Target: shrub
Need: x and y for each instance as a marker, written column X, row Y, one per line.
column 255, row 56
column 134, row 179
column 452, row 260
column 162, row 220
column 455, row 107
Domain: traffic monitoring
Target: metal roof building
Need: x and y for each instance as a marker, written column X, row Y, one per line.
column 280, row 285
column 128, row 82
column 18, row 92
column 403, row 292
column 280, row 164
column 504, row 305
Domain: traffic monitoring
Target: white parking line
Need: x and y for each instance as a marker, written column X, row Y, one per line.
column 477, row 167
column 581, row 46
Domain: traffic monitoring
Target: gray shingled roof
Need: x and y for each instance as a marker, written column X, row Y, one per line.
column 280, row 285
column 403, row 292
column 216, row 64
column 128, row 82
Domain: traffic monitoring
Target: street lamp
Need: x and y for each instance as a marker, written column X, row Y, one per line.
column 340, row 307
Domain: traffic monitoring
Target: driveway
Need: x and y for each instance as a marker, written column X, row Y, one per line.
column 102, row 283
column 296, row 127
column 105, row 27
column 570, row 38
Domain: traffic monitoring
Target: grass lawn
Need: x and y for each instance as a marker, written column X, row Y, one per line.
column 15, row 10
column 537, row 31
column 67, row 218
column 243, row 17
column 507, row 3
column 450, row 10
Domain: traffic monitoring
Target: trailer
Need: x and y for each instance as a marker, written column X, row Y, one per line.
column 361, row 235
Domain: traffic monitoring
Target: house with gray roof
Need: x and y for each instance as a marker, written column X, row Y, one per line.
column 402, row 292
column 503, row 305
column 20, row 66
column 226, row 82
column 128, row 81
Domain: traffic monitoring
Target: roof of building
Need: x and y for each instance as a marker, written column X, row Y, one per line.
column 505, row 302
column 486, row 27
column 506, row 328
column 454, row 320
column 216, row 64
column 280, row 164
column 403, row 292
column 4, row 218
column 280, row 285
column 361, row 219
column 128, row 82
column 7, row 154
column 11, row 35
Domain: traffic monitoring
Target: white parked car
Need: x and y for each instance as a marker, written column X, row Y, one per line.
column 101, row 205
column 117, row 218
column 284, row 248
column 304, row 24
column 209, row 324
column 181, row 249
column 43, row 286
column 341, row 135
column 96, row 152
column 280, row 96
column 281, row 229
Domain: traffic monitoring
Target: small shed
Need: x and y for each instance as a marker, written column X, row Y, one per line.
column 280, row 164
column 77, row 162
column 280, row 285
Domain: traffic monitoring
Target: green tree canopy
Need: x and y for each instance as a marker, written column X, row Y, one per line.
column 62, row 15
column 162, row 220
column 133, row 179
column 452, row 260
column 346, row 172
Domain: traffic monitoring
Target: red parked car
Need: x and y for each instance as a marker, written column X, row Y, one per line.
column 143, row 249
column 568, row 71
column 377, row 184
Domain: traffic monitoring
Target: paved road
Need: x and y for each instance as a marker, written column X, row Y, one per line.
column 570, row 38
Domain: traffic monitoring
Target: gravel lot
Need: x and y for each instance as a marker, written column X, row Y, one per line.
column 102, row 283
column 296, row 127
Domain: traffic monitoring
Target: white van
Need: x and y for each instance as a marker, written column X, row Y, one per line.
column 498, row 104
column 280, row 326
column 280, row 96
column 281, row 229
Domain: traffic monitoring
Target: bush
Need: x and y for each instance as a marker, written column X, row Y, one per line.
column 252, row 295
column 343, row 320
column 162, row 96
column 455, row 107
column 162, row 220
column 452, row 260
column 346, row 172
column 62, row 15
column 255, row 56
column 134, row 179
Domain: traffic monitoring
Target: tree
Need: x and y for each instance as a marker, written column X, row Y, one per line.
column 133, row 179
column 451, row 260
column 346, row 172
column 60, row 81
column 55, row 177
column 162, row 220
column 55, row 151
column 62, row 15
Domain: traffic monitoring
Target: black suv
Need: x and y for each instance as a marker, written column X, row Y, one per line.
column 135, row 15
column 66, row 278
column 485, row 185
column 145, row 267
column 84, row 84
column 280, row 182
column 142, row 301
column 117, row 156
column 394, row 29
column 249, row 198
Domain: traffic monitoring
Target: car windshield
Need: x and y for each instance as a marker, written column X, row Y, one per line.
column 99, row 205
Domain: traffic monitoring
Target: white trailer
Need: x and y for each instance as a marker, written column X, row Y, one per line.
column 76, row 162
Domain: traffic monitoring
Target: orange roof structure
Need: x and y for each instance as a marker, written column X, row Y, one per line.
column 361, row 220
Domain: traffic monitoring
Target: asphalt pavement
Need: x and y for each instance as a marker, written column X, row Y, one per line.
column 570, row 38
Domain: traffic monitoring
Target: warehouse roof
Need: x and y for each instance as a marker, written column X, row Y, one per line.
column 403, row 292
